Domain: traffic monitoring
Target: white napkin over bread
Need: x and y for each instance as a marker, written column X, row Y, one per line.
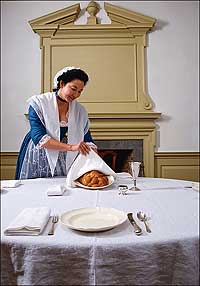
column 30, row 221
column 86, row 163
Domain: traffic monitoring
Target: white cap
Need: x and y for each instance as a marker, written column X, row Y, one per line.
column 55, row 82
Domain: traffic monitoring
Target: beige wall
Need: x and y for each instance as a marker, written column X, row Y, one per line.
column 172, row 67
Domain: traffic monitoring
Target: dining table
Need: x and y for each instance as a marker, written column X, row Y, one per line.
column 168, row 255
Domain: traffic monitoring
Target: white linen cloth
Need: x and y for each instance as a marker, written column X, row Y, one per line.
column 78, row 124
column 56, row 190
column 10, row 183
column 86, row 163
column 30, row 221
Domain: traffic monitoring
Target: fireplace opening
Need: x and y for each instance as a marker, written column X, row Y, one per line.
column 118, row 153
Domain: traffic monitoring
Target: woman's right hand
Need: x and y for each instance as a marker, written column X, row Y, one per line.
column 82, row 147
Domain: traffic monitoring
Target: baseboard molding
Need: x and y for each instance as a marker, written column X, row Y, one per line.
column 174, row 165
column 177, row 165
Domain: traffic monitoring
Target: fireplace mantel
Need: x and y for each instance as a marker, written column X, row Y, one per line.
column 128, row 127
column 114, row 57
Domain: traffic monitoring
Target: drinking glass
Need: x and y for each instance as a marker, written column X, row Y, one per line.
column 135, row 169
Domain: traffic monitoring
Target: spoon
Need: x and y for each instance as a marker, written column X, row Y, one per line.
column 142, row 216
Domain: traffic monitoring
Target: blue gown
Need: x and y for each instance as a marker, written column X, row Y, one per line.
column 32, row 160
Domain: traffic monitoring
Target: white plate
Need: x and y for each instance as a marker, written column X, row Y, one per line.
column 93, row 219
column 111, row 180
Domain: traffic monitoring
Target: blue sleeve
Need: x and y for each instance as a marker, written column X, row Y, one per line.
column 38, row 130
column 88, row 137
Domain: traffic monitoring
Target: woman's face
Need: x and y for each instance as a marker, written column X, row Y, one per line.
column 71, row 90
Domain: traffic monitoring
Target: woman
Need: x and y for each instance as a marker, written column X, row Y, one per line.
column 59, row 128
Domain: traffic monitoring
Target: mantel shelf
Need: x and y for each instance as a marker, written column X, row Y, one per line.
column 134, row 115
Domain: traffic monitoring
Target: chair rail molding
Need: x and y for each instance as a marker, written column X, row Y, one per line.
column 176, row 165
column 111, row 54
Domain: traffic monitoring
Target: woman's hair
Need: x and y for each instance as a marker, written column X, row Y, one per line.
column 70, row 75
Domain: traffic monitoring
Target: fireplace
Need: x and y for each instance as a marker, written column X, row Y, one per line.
column 131, row 136
column 118, row 153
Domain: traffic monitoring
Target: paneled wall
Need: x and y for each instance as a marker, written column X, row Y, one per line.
column 179, row 165
column 8, row 165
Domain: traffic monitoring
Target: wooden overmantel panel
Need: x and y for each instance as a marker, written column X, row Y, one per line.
column 113, row 56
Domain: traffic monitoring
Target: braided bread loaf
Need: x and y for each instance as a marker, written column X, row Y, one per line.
column 93, row 179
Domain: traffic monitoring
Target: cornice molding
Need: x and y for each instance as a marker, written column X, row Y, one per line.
column 123, row 16
column 63, row 19
column 52, row 21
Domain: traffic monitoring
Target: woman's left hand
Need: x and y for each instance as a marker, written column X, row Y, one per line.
column 82, row 147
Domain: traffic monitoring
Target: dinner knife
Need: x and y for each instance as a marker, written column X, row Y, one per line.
column 137, row 229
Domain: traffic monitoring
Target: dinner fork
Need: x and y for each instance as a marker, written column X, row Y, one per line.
column 54, row 220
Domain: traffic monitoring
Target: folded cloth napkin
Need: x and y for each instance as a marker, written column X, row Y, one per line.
column 195, row 186
column 30, row 221
column 83, row 164
column 56, row 190
column 10, row 184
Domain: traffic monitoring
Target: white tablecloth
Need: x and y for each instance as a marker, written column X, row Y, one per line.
column 167, row 256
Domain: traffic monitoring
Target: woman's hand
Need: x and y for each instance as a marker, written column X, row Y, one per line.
column 82, row 147
column 94, row 149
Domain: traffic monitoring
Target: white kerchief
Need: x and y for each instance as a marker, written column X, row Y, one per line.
column 83, row 164
column 46, row 108
column 78, row 126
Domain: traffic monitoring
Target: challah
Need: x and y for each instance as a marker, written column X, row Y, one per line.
column 93, row 179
